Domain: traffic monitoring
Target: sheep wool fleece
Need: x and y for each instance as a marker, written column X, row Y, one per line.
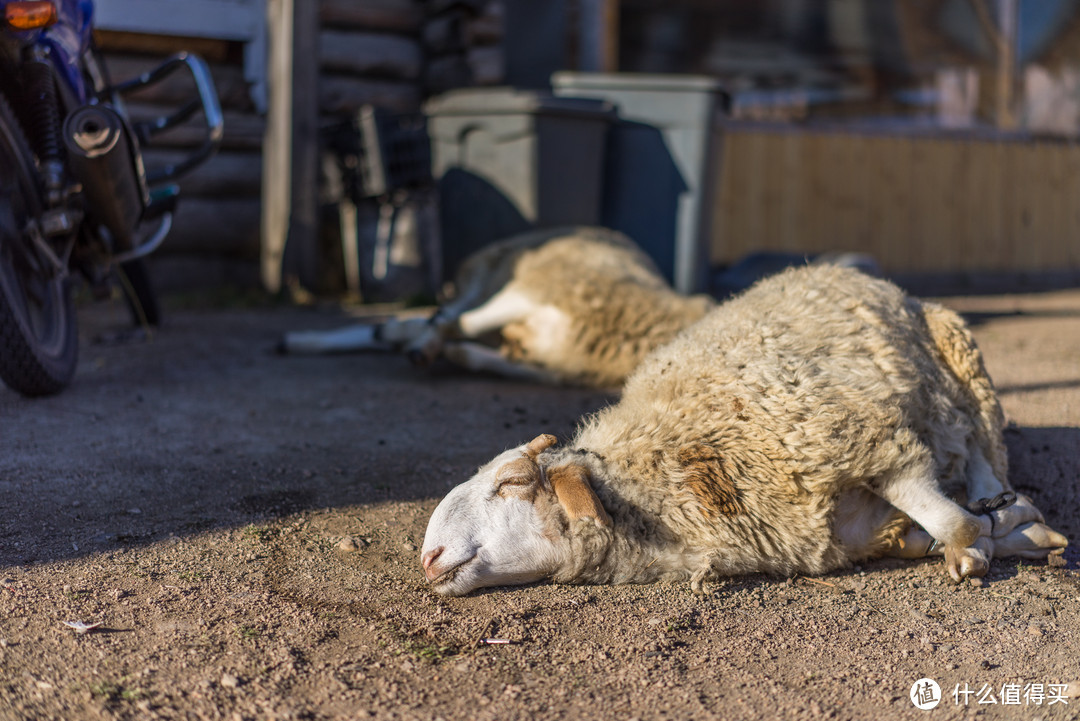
column 734, row 443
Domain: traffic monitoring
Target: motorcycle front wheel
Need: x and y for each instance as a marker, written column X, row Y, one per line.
column 38, row 335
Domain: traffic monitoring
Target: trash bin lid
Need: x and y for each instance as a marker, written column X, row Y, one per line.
column 643, row 82
column 508, row 101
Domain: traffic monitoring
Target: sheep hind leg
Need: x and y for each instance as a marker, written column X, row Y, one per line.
column 481, row 358
column 915, row 491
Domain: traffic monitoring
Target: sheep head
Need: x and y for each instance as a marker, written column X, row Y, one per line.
column 507, row 524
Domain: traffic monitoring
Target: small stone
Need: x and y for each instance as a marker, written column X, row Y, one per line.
column 229, row 681
column 976, row 582
column 350, row 544
column 1073, row 690
column 655, row 621
column 974, row 620
column 408, row 546
column 1034, row 630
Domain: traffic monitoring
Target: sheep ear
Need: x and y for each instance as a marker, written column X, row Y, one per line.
column 576, row 496
column 518, row 472
column 540, row 444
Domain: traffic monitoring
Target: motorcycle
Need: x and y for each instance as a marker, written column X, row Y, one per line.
column 76, row 202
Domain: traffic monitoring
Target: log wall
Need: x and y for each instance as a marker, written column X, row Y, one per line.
column 389, row 53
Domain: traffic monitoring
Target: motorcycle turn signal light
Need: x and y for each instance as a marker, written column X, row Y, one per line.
column 30, row 15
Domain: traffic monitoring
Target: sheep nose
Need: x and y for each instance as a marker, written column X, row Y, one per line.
column 429, row 558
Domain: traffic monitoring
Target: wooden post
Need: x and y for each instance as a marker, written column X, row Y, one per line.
column 1002, row 35
column 277, row 151
column 290, row 147
column 598, row 35
column 303, row 261
column 1006, row 64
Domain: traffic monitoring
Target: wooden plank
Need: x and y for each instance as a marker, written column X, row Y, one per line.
column 754, row 181
column 370, row 54
column 486, row 28
column 792, row 204
column 445, row 33
column 815, row 191
column 228, row 227
column 1069, row 248
column 210, row 49
column 342, row 95
column 771, row 193
column 487, row 65
column 232, row 88
column 989, row 195
column 726, row 238
column 226, row 175
column 923, row 222
column 402, row 16
column 242, row 131
column 890, row 215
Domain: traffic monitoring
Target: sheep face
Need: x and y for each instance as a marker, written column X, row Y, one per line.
column 506, row 525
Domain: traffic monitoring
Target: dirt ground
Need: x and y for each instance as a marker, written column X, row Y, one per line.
column 246, row 528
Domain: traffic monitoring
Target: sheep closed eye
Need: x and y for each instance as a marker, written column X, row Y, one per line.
column 521, row 473
column 513, row 488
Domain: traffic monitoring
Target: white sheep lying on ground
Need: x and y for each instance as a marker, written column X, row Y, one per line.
column 578, row 306
column 817, row 420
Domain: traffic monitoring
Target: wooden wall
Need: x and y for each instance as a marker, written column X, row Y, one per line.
column 915, row 203
column 389, row 53
column 215, row 233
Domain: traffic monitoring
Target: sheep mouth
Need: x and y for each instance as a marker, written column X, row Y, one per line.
column 447, row 577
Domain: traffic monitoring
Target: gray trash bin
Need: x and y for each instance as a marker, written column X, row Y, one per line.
column 509, row 160
column 660, row 166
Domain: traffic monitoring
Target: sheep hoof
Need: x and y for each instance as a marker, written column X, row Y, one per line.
column 418, row 358
column 972, row 561
column 1032, row 540
column 1010, row 517
column 697, row 581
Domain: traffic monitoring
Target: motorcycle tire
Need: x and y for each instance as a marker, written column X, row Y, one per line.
column 38, row 334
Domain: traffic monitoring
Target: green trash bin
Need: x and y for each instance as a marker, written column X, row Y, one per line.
column 510, row 160
column 661, row 164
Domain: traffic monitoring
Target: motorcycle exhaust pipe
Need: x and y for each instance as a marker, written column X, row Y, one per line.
column 104, row 158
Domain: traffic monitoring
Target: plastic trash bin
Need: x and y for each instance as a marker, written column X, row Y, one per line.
column 510, row 160
column 661, row 161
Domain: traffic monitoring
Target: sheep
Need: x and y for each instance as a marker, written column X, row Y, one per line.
column 578, row 305
column 818, row 420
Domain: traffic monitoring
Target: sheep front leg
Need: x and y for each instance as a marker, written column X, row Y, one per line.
column 459, row 320
column 1018, row 529
column 390, row 334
